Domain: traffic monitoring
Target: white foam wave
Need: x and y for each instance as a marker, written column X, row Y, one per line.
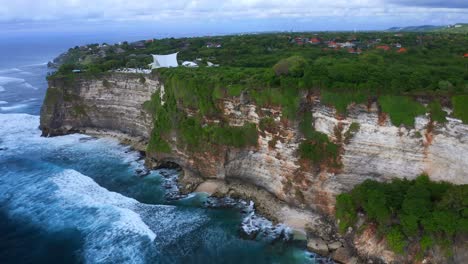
column 258, row 226
column 35, row 65
column 13, row 107
column 71, row 200
column 125, row 228
column 2, row 89
column 3, row 102
column 116, row 228
column 11, row 70
column 30, row 86
column 5, row 80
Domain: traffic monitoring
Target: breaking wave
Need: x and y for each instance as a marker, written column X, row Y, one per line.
column 13, row 107
column 116, row 228
column 11, row 70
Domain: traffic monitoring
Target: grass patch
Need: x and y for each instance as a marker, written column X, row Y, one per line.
column 192, row 132
column 268, row 124
column 319, row 149
column 352, row 130
column 460, row 107
column 341, row 100
column 436, row 112
column 402, row 109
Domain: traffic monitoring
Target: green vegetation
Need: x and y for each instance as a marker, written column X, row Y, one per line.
column 341, row 100
column 318, row 149
column 79, row 110
column 52, row 96
column 278, row 69
column 460, row 107
column 284, row 71
column 267, row 124
column 402, row 110
column 416, row 211
column 196, row 136
column 305, row 126
column 292, row 66
column 194, row 133
column 456, row 29
column 437, row 114
column 352, row 130
column 396, row 240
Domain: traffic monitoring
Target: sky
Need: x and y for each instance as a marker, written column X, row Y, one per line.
column 186, row 17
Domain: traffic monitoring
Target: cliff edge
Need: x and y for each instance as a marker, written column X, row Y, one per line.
column 285, row 186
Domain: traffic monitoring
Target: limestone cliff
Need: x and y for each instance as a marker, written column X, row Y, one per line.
column 378, row 150
column 111, row 103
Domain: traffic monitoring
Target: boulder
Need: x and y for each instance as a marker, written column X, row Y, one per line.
column 344, row 255
column 318, row 246
column 335, row 245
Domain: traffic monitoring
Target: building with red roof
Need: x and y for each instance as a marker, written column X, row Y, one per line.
column 332, row 44
column 383, row 47
column 315, row 41
column 354, row 51
column 402, row 50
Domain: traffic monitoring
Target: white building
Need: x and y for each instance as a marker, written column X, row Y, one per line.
column 164, row 61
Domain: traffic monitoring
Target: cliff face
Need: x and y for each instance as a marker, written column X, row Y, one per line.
column 111, row 103
column 376, row 150
column 382, row 151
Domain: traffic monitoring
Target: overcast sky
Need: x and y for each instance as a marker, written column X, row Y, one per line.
column 205, row 16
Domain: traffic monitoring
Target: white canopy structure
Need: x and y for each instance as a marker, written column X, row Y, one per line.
column 189, row 64
column 164, row 61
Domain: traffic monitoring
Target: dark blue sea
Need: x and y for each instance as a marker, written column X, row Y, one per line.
column 77, row 199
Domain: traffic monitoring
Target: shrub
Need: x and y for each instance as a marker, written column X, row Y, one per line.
column 402, row 110
column 305, row 126
column 416, row 210
column 292, row 66
column 436, row 112
column 396, row 241
column 345, row 211
column 319, row 150
column 352, row 130
column 268, row 124
column 341, row 100
column 426, row 242
column 460, row 107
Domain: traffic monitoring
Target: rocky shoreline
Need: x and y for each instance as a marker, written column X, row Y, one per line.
column 264, row 216
column 284, row 187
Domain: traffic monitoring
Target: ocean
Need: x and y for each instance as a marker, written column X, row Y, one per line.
column 79, row 199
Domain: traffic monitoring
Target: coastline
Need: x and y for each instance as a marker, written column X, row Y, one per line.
column 317, row 231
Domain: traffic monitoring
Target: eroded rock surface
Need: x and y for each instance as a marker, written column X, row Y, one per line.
column 304, row 193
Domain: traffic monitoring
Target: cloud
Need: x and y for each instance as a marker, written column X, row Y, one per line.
column 209, row 11
column 432, row 3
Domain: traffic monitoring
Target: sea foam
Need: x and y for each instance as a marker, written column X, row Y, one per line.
column 116, row 228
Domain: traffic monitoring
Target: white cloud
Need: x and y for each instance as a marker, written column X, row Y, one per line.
column 206, row 10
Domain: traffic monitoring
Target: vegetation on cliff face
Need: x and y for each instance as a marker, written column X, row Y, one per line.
column 52, row 96
column 436, row 112
column 316, row 147
column 408, row 212
column 341, row 100
column 460, row 107
column 195, row 132
column 402, row 110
